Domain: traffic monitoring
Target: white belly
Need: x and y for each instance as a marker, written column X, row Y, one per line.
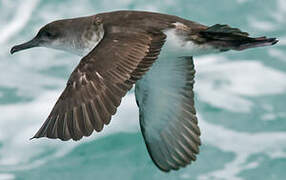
column 178, row 46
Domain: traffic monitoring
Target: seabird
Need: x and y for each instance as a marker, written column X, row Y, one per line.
column 151, row 50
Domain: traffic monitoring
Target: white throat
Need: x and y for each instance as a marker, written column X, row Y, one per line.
column 82, row 45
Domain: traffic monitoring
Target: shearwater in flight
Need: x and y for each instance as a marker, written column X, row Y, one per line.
column 151, row 50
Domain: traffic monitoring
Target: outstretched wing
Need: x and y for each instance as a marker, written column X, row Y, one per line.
column 167, row 115
column 97, row 85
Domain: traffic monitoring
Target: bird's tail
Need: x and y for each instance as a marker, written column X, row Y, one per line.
column 225, row 38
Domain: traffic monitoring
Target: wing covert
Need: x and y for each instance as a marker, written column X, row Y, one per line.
column 97, row 85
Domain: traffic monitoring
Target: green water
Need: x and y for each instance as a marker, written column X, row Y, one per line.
column 240, row 98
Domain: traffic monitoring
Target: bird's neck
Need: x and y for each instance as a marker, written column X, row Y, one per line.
column 90, row 39
column 79, row 43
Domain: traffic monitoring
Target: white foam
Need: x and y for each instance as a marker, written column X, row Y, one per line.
column 273, row 116
column 261, row 25
column 279, row 13
column 20, row 19
column 278, row 54
column 7, row 176
column 116, row 4
column 228, row 84
column 243, row 145
column 19, row 122
column 27, row 80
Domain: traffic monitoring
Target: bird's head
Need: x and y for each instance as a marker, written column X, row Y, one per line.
column 67, row 35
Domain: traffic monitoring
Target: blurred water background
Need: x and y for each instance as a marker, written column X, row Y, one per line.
column 240, row 98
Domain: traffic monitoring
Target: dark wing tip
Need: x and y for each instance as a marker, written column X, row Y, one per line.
column 32, row 138
column 60, row 138
column 166, row 170
column 39, row 134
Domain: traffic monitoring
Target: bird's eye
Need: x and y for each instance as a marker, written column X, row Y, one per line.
column 48, row 34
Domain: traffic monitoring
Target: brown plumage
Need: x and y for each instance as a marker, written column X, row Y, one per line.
column 123, row 48
column 97, row 85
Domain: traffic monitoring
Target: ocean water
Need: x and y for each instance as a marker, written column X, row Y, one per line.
column 240, row 98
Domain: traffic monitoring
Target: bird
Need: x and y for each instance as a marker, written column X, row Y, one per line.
column 154, row 52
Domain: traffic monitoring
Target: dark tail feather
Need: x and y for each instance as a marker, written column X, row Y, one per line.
column 256, row 42
column 225, row 38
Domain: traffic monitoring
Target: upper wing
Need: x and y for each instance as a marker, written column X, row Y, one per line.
column 96, row 86
column 167, row 115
